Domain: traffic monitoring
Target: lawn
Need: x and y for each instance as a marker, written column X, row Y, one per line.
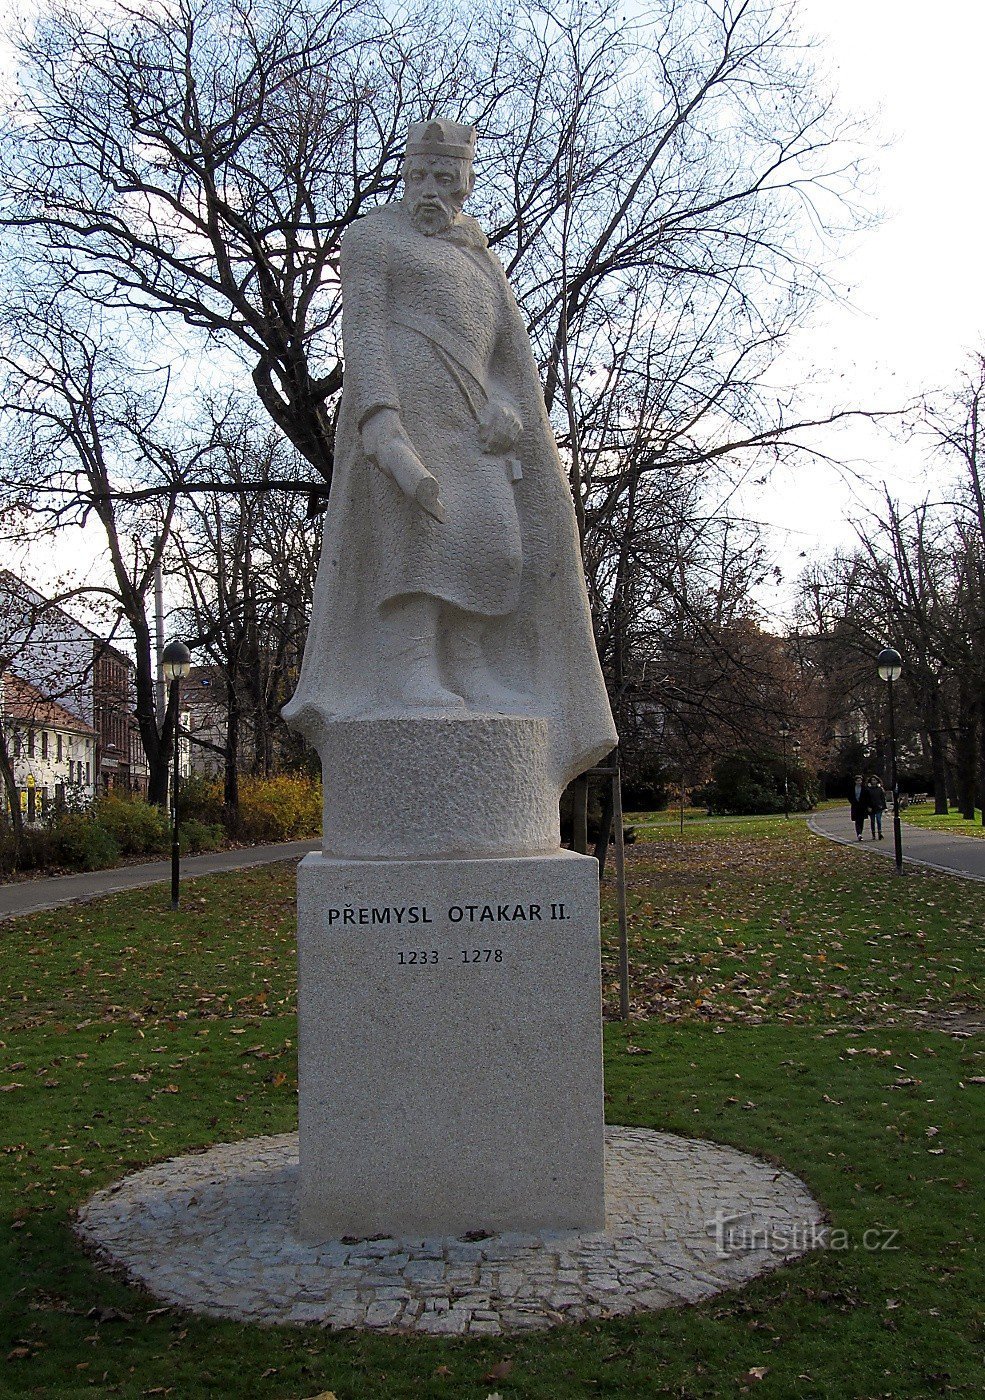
column 923, row 814
column 787, row 998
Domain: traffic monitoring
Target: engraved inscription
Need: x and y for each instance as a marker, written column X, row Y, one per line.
column 400, row 915
column 430, row 957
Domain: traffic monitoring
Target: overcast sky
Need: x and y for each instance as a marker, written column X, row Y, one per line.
column 916, row 280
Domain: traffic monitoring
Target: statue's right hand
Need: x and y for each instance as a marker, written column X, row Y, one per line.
column 379, row 431
column 386, row 441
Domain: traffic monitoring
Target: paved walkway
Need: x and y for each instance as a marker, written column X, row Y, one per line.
column 30, row 896
column 214, row 1232
column 957, row 855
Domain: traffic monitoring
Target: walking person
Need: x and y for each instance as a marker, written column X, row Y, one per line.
column 876, row 796
column 859, row 803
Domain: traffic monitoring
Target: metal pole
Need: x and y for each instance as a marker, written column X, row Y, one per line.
column 175, row 853
column 621, row 894
column 786, row 780
column 897, row 825
column 159, row 634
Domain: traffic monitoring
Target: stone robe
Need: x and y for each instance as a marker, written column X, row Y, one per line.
column 426, row 326
column 431, row 329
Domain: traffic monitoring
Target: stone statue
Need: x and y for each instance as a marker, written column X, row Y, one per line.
column 452, row 688
column 450, row 581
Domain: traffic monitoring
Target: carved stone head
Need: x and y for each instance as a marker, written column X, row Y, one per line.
column 438, row 174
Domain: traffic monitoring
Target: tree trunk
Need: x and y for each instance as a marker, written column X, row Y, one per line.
column 967, row 761
column 13, row 796
column 579, row 815
column 156, row 743
column 230, row 780
column 938, row 760
column 605, row 822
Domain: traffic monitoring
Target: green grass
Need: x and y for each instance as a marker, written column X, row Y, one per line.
column 786, row 1001
column 922, row 814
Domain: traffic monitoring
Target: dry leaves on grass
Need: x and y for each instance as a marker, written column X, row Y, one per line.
column 744, row 930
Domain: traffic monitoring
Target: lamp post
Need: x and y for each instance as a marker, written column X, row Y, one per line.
column 176, row 662
column 890, row 665
column 784, row 735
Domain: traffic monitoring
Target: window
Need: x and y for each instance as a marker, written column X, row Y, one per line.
column 88, row 774
column 44, row 743
column 30, row 743
column 17, row 743
column 58, row 746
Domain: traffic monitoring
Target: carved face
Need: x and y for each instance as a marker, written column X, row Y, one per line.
column 435, row 188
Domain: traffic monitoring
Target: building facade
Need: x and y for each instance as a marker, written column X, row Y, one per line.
column 52, row 752
column 81, row 674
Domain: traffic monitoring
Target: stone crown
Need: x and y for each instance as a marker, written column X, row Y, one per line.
column 441, row 137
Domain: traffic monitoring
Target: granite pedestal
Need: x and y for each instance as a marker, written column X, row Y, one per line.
column 450, row 1058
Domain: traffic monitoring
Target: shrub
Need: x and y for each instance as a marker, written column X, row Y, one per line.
column 136, row 827
column 195, row 836
column 746, row 783
column 80, row 842
column 200, row 799
column 286, row 808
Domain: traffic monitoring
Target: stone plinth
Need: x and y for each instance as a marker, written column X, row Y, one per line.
column 450, row 1056
column 416, row 787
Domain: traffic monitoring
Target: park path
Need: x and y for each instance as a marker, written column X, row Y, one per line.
column 954, row 854
column 31, row 896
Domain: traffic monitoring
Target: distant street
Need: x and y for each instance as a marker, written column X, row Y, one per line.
column 957, row 855
column 31, row 896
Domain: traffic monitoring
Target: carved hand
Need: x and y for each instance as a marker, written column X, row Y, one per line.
column 386, row 442
column 499, row 426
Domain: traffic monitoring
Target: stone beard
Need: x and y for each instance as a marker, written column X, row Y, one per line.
column 450, row 581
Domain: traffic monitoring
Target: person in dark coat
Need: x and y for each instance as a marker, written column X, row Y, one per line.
column 859, row 801
column 876, row 796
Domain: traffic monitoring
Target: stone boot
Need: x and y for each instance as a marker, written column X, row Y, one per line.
column 470, row 673
column 412, row 658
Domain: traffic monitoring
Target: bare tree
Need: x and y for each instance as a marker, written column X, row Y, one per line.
column 248, row 563
column 664, row 189
column 78, row 430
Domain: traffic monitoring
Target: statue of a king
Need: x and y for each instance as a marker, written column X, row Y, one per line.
column 450, row 578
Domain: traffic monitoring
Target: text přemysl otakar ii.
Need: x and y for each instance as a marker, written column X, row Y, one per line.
column 450, row 1064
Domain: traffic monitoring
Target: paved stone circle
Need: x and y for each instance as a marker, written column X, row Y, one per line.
column 213, row 1232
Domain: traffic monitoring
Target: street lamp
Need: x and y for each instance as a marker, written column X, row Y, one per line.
column 176, row 662
column 890, row 665
column 784, row 735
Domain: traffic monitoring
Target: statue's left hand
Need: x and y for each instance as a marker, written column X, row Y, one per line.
column 499, row 426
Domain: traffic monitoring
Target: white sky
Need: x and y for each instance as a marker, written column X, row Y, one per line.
column 916, row 281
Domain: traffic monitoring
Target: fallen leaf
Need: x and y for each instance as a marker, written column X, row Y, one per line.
column 500, row 1371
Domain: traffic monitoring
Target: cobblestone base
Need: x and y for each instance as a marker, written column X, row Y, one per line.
column 212, row 1232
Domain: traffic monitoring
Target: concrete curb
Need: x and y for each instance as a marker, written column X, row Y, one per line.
column 53, row 893
column 887, row 854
